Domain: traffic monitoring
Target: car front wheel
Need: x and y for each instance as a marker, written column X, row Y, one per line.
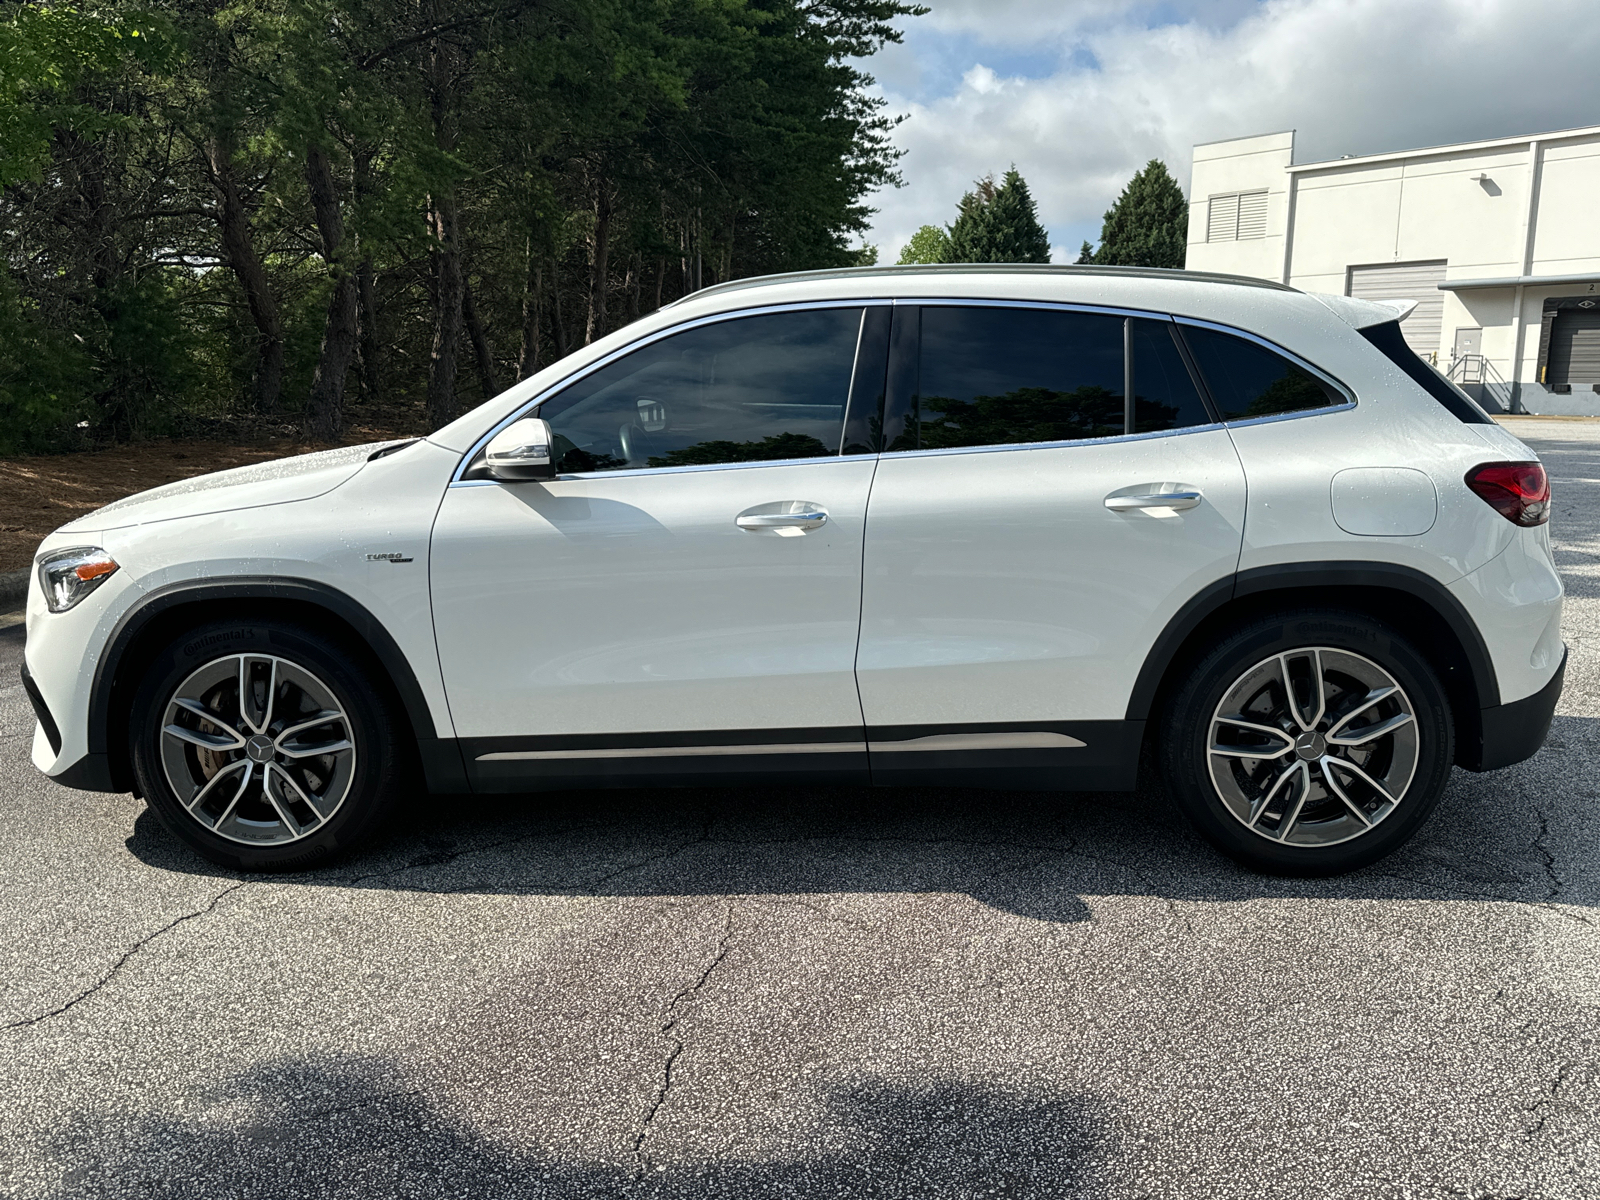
column 1309, row 743
column 263, row 745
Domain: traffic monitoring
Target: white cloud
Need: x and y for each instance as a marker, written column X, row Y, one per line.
column 1352, row 76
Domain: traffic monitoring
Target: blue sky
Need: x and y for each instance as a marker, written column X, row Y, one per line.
column 1080, row 95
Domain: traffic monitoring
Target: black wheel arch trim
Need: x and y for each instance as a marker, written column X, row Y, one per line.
column 440, row 757
column 1330, row 574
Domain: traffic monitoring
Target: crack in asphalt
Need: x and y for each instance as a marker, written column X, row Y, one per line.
column 641, row 1159
column 1540, row 843
column 1552, row 1091
column 127, row 955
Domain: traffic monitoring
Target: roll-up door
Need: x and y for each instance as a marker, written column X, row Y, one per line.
column 1417, row 281
column 1575, row 348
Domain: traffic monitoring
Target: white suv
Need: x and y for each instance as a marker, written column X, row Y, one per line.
column 987, row 526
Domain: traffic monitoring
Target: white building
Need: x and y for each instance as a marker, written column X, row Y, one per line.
column 1497, row 241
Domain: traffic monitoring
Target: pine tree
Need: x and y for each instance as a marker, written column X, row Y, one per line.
column 999, row 224
column 1148, row 226
column 930, row 244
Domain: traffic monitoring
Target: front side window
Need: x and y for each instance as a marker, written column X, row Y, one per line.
column 1002, row 376
column 750, row 389
column 1248, row 380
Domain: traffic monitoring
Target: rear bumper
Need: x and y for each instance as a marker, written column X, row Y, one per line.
column 1510, row 733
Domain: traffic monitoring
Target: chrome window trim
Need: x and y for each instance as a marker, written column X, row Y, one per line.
column 641, row 343
column 1056, row 305
column 1265, row 343
column 685, row 470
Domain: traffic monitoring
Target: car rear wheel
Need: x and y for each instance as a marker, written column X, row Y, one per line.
column 263, row 745
column 1309, row 743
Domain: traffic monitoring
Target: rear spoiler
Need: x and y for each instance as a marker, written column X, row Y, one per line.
column 1359, row 314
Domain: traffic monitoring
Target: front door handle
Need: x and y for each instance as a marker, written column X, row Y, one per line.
column 1177, row 501
column 787, row 519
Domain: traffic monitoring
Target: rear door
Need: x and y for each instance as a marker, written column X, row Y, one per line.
column 1030, row 534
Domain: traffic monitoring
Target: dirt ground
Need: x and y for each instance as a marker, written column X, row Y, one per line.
column 42, row 492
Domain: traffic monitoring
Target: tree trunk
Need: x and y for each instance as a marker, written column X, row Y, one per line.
column 560, row 321
column 443, row 220
column 369, row 349
column 480, row 343
column 325, row 409
column 528, row 360
column 367, row 342
column 635, row 269
column 238, row 249
column 599, row 264
column 661, row 278
column 448, row 296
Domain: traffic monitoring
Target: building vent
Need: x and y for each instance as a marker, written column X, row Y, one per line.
column 1417, row 281
column 1252, row 215
column 1236, row 215
column 1575, row 347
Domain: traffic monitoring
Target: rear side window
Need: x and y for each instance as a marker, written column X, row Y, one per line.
column 750, row 389
column 1165, row 396
column 1248, row 380
column 1001, row 376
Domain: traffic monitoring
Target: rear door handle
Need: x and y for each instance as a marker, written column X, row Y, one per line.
column 787, row 519
column 1177, row 501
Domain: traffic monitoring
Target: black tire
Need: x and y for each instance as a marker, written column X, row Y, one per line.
column 298, row 667
column 1353, row 819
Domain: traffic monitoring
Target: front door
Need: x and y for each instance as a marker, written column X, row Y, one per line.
column 684, row 599
column 1023, row 551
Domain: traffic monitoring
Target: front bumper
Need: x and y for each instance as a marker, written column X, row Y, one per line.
column 1510, row 733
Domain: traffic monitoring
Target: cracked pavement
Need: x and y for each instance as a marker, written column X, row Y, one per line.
column 817, row 993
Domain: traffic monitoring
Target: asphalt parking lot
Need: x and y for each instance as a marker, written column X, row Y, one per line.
column 817, row 993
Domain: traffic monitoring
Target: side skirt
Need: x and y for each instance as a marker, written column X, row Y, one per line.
column 1046, row 756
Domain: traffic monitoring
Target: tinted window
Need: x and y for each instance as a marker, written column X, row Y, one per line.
column 1164, row 393
column 1248, row 380
column 993, row 376
column 744, row 390
column 1388, row 338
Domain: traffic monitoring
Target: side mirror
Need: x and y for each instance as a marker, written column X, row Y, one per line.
column 522, row 451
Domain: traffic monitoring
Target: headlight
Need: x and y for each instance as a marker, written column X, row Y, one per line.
column 67, row 576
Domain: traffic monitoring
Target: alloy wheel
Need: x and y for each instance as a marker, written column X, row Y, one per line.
column 1313, row 746
column 257, row 749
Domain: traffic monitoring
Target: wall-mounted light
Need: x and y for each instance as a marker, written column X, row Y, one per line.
column 1487, row 184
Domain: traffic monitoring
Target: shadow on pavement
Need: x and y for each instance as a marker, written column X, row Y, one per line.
column 303, row 1128
column 1035, row 855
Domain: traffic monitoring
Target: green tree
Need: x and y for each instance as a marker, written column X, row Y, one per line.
column 423, row 196
column 999, row 224
column 930, row 244
column 1148, row 226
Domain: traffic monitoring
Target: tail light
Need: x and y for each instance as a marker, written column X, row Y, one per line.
column 1519, row 492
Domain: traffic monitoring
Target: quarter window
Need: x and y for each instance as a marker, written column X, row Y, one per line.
column 750, row 389
column 1248, row 380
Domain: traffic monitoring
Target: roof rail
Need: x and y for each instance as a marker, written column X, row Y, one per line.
column 986, row 269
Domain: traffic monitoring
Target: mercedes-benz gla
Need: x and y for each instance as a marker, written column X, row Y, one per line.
column 986, row 527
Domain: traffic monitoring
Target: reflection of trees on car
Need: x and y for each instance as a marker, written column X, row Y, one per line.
column 778, row 445
column 1029, row 414
column 1294, row 391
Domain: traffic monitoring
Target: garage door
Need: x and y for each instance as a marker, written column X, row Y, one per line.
column 1417, row 281
column 1574, row 348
